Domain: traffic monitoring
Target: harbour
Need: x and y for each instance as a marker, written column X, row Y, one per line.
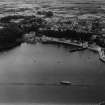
column 63, row 66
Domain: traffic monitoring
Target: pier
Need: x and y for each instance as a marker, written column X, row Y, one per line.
column 62, row 41
column 69, row 42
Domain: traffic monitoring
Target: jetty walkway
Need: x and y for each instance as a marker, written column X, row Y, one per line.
column 68, row 42
column 62, row 41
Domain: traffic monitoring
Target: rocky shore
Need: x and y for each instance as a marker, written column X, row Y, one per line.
column 21, row 28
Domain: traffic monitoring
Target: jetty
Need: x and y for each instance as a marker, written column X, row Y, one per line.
column 69, row 42
column 94, row 49
column 64, row 41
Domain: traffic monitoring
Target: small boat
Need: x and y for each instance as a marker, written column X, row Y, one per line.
column 66, row 83
column 77, row 49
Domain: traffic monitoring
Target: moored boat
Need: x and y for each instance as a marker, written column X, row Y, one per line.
column 66, row 83
column 77, row 49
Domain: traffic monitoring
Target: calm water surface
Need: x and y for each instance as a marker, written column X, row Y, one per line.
column 48, row 64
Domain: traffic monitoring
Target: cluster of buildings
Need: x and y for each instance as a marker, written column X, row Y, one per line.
column 89, row 24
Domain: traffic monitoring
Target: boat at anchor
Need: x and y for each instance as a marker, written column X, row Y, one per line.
column 66, row 83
